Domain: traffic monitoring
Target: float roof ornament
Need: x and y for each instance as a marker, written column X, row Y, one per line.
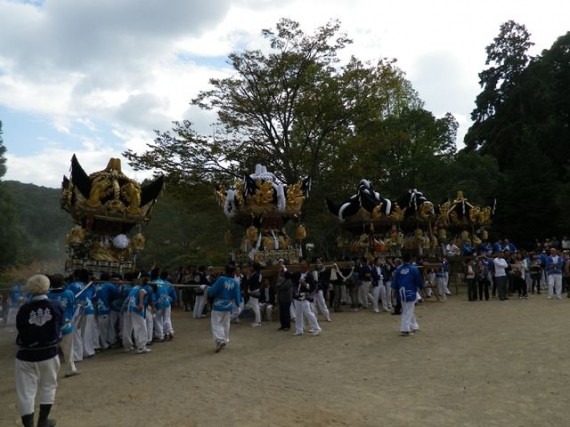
column 107, row 195
column 367, row 205
column 461, row 213
column 261, row 195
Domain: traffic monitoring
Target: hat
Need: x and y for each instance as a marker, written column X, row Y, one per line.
column 37, row 284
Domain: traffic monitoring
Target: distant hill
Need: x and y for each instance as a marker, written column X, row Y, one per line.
column 186, row 228
column 43, row 222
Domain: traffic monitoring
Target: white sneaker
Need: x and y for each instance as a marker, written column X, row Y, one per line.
column 297, row 334
column 143, row 350
column 255, row 325
column 317, row 332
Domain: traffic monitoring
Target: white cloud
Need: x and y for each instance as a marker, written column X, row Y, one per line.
column 48, row 166
column 98, row 69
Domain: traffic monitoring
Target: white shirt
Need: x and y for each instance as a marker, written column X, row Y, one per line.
column 500, row 266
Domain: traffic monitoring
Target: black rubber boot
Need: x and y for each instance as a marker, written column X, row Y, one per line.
column 43, row 419
column 28, row 420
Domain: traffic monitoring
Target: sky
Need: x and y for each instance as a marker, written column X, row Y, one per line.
column 95, row 78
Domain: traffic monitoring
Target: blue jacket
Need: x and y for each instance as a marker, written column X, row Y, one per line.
column 407, row 280
column 554, row 267
column 226, row 293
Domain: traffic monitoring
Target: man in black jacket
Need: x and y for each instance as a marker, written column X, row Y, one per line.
column 39, row 324
column 253, row 286
column 304, row 285
column 284, row 295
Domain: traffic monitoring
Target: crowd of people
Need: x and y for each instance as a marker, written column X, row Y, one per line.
column 81, row 315
column 507, row 270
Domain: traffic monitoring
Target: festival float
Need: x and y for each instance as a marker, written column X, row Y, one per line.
column 382, row 227
column 108, row 210
column 466, row 222
column 263, row 204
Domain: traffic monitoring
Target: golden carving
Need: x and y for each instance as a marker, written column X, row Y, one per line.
column 76, row 236
column 295, row 199
column 131, row 192
column 138, row 242
column 300, row 232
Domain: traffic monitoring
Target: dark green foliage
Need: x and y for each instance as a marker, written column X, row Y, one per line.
column 42, row 225
column 11, row 233
column 523, row 120
column 187, row 227
column 2, row 153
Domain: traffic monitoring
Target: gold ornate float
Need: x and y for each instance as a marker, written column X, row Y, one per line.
column 108, row 209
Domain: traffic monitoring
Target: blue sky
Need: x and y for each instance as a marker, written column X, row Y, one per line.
column 95, row 78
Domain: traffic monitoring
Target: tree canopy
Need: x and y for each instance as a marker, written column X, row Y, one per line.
column 296, row 109
column 522, row 119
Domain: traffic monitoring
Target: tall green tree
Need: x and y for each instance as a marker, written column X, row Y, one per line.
column 522, row 119
column 282, row 109
column 292, row 109
column 496, row 118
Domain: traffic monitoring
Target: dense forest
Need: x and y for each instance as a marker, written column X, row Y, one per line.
column 298, row 110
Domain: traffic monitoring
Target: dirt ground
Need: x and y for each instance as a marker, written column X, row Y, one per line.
column 473, row 364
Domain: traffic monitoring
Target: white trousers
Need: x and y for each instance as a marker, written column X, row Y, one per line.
column 134, row 325
column 89, row 335
column 320, row 303
column 386, row 296
column 374, row 296
column 34, row 377
column 149, row 320
column 168, row 329
column 302, row 310
column 344, row 298
column 199, row 306
column 159, row 324
column 293, row 310
column 220, row 321
column 446, row 282
column 555, row 285
column 254, row 304
column 409, row 322
column 77, row 342
column 114, row 326
column 66, row 345
column 363, row 292
column 104, row 322
column 441, row 287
